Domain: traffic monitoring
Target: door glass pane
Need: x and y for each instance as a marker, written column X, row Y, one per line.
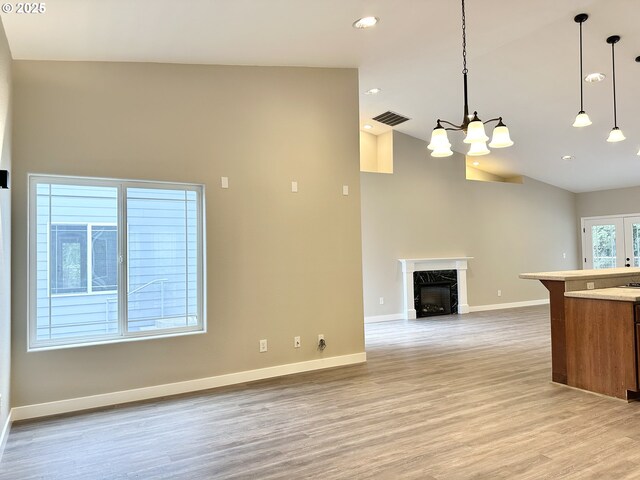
column 604, row 246
column 636, row 244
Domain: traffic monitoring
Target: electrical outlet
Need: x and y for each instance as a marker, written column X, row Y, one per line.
column 296, row 342
column 499, row 293
column 345, row 190
column 263, row 345
column 564, row 255
column 320, row 337
column 381, row 300
column 591, row 285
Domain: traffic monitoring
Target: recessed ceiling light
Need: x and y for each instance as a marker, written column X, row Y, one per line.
column 594, row 77
column 567, row 157
column 367, row 126
column 476, row 163
column 372, row 91
column 365, row 22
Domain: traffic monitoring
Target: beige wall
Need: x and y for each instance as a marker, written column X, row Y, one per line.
column 608, row 202
column 428, row 209
column 5, row 229
column 279, row 264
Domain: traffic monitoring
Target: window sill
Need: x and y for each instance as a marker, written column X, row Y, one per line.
column 117, row 340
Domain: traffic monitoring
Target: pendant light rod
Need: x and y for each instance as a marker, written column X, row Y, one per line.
column 612, row 40
column 580, row 19
column 465, row 70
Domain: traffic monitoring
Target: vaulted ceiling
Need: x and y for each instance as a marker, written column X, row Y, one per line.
column 522, row 59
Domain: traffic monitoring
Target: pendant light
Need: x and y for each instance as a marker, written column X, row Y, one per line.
column 471, row 125
column 582, row 119
column 616, row 134
column 638, row 60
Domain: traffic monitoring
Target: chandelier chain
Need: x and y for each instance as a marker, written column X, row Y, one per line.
column 464, row 41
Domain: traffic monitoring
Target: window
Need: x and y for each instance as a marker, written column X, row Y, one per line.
column 76, row 247
column 92, row 240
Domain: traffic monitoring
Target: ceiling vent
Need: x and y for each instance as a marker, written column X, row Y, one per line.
column 390, row 118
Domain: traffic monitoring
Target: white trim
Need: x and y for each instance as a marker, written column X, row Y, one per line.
column 502, row 306
column 384, row 318
column 5, row 433
column 411, row 265
column 137, row 394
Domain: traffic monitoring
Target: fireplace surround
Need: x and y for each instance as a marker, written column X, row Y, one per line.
column 413, row 265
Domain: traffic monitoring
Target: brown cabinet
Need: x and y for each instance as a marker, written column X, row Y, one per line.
column 602, row 348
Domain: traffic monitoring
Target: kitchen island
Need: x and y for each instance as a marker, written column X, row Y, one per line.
column 594, row 342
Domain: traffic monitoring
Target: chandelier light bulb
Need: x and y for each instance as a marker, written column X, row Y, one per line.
column 616, row 135
column 442, row 152
column 478, row 148
column 475, row 131
column 501, row 137
column 582, row 120
column 439, row 139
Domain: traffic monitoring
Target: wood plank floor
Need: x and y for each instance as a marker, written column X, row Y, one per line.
column 457, row 397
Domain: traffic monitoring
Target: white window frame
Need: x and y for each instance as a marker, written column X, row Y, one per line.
column 123, row 334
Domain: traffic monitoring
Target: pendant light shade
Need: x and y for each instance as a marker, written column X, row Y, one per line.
column 475, row 131
column 439, row 139
column 582, row 119
column 478, row 148
column 501, row 137
column 442, row 152
column 616, row 135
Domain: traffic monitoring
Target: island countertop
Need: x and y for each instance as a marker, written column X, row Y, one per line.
column 583, row 274
column 621, row 294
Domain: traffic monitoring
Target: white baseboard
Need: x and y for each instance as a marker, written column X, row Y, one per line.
column 5, row 433
column 384, row 318
column 115, row 398
column 502, row 306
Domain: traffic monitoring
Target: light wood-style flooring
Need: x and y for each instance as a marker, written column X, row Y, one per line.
column 456, row 397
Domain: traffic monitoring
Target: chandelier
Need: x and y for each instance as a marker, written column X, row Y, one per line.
column 471, row 125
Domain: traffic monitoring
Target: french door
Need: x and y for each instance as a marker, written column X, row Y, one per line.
column 610, row 242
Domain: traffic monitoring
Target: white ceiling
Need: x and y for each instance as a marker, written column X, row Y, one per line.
column 522, row 56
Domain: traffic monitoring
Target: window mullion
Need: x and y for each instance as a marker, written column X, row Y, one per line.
column 89, row 258
column 123, row 285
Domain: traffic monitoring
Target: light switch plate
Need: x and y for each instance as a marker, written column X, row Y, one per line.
column 294, row 187
column 345, row 189
column 224, row 182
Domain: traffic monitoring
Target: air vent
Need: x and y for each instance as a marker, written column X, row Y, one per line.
column 390, row 118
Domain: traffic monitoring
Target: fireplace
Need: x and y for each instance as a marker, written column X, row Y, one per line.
column 435, row 293
column 457, row 273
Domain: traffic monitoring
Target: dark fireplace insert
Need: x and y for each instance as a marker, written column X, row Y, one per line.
column 435, row 292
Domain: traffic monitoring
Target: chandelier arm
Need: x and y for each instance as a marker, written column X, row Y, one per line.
column 498, row 119
column 455, row 127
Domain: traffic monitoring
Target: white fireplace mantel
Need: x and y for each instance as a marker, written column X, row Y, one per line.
column 410, row 265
